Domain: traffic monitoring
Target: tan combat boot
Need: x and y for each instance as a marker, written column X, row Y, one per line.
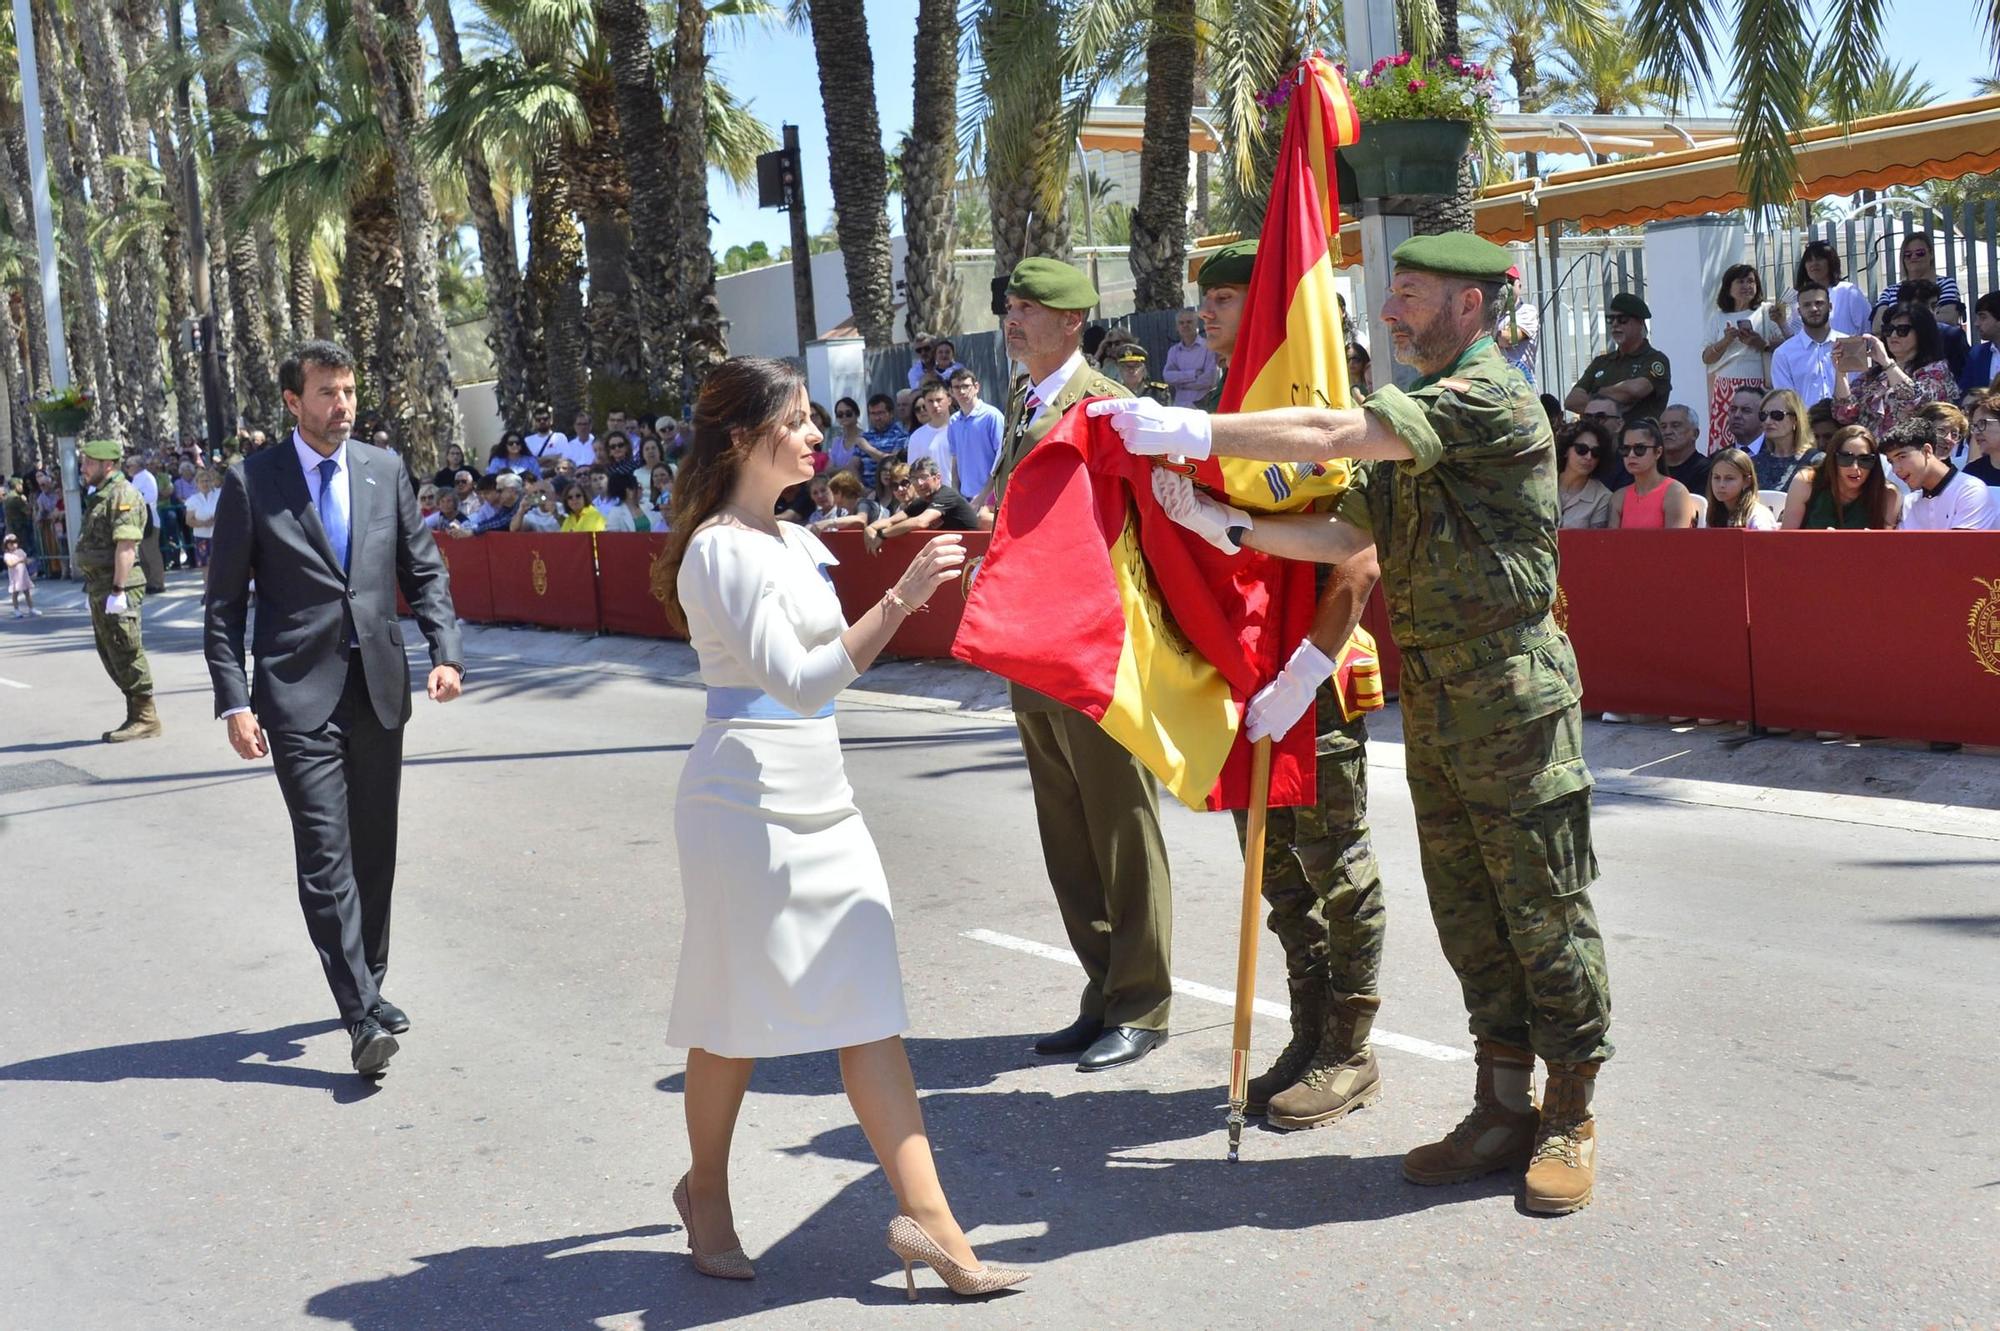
column 1342, row 1076
column 1308, row 1015
column 1564, row 1168
column 1499, row 1133
column 142, row 721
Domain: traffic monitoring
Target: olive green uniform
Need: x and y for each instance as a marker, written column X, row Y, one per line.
column 1466, row 531
column 116, row 512
column 1096, row 805
column 1615, row 367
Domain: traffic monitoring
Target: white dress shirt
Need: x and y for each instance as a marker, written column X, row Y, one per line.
column 1050, row 388
column 1805, row 366
column 343, row 498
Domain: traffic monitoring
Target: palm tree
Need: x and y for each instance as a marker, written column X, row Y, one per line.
column 20, row 222
column 929, row 171
column 1513, row 35
column 708, row 126
column 1159, row 223
column 649, row 165
column 1604, row 77
column 395, row 57
column 1017, row 122
column 855, row 165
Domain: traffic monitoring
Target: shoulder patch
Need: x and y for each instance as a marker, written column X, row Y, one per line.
column 1659, row 367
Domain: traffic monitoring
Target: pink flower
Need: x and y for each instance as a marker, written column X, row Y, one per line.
column 1415, row 84
column 1380, row 65
column 1401, row 60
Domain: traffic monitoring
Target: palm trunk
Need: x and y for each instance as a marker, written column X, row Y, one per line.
column 1454, row 211
column 703, row 343
column 1028, row 147
column 603, row 199
column 930, row 170
column 626, row 31
column 855, row 165
column 222, row 305
column 555, row 284
column 301, row 286
column 277, row 290
column 13, row 188
column 20, row 437
column 235, row 177
column 396, row 64
column 497, row 260
column 1159, row 223
column 371, row 287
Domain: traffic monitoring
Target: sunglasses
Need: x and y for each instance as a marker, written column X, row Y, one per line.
column 1900, row 330
column 1586, row 450
column 899, row 485
column 1855, row 460
column 1635, row 450
column 1776, row 415
column 1601, row 416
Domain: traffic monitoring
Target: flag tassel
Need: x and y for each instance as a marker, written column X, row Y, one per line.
column 1246, row 939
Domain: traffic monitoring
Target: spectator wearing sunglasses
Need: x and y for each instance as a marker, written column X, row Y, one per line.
column 1634, row 374
column 1583, row 445
column 1918, row 263
column 1906, row 369
column 1610, row 417
column 1848, row 491
column 1654, row 499
column 1787, row 448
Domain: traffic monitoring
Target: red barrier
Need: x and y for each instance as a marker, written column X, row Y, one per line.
column 471, row 577
column 1659, row 620
column 1878, row 633
column 625, row 593
column 861, row 578
column 546, row 578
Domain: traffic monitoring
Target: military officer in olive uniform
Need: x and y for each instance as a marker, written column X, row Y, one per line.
column 1132, row 365
column 114, row 582
column 1096, row 805
column 1634, row 373
column 1460, row 498
column 1321, row 878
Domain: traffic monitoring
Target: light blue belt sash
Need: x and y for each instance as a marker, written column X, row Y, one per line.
column 754, row 705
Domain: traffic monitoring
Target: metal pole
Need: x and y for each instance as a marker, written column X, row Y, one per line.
column 45, row 241
column 802, row 277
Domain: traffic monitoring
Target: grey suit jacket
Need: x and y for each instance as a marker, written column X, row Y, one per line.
column 266, row 529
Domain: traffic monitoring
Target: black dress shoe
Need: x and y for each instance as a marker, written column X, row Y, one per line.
column 373, row 1046
column 1071, row 1039
column 394, row 1020
column 1120, row 1045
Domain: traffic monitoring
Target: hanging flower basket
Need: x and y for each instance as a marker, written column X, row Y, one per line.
column 1417, row 123
column 1396, row 158
column 64, row 413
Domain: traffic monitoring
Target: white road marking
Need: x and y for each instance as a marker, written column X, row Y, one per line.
column 14, row 683
column 1409, row 1044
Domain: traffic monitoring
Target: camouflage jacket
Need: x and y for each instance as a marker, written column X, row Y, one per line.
column 116, row 512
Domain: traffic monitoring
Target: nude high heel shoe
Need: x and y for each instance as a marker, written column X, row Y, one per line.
column 908, row 1241
column 730, row 1265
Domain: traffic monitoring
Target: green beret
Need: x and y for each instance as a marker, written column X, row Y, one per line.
column 1627, row 303
column 1229, row 266
column 1455, row 254
column 104, row 450
column 1052, row 283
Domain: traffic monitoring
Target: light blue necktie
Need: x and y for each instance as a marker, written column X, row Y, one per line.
column 329, row 512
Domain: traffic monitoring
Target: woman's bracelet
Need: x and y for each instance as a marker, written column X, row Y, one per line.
column 892, row 597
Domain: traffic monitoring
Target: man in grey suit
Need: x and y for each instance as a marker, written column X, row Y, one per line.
column 327, row 526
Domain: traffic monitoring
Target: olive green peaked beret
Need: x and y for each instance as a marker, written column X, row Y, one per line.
column 1052, row 283
column 104, row 450
column 1455, row 254
column 1627, row 303
column 1229, row 266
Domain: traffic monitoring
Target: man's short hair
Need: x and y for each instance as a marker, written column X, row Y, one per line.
column 962, row 375
column 1682, row 407
column 1821, row 412
column 1988, row 304
column 327, row 355
column 1920, row 289
column 933, row 384
column 1755, row 387
column 886, row 402
column 844, row 484
column 1810, row 285
column 487, row 482
column 1910, row 432
column 923, row 467
column 507, row 480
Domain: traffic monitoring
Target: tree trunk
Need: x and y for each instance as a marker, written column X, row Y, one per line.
column 15, row 454
column 930, row 172
column 395, row 59
column 301, row 287
column 222, row 305
column 13, row 194
column 497, row 260
column 1028, row 146
column 603, row 199
column 626, row 30
column 235, row 178
column 1454, row 211
column 555, row 284
column 1159, row 223
column 855, row 166
column 371, row 292
column 703, row 343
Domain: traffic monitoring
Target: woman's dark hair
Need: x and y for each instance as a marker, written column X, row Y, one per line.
column 851, row 405
column 1818, row 249
column 1723, row 301
column 617, row 436
column 1874, row 486
column 1581, row 429
column 744, row 396
column 512, row 437
column 621, row 484
column 1649, row 427
column 499, row 453
column 1929, row 346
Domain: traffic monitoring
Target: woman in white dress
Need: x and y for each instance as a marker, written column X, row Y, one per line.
column 788, row 945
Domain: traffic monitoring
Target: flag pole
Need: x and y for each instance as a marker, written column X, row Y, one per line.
column 1246, row 939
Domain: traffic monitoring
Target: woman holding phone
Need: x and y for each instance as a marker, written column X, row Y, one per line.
column 1900, row 371
column 1741, row 334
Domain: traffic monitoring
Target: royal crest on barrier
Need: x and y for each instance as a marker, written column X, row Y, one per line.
column 1982, row 625
column 538, row 573
column 1561, row 609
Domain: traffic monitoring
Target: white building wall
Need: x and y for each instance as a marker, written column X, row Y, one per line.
column 758, row 304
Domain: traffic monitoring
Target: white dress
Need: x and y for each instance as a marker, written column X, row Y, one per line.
column 789, row 945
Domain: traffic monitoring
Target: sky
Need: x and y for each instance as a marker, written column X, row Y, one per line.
column 775, row 71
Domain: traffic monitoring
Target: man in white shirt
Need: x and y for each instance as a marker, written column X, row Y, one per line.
column 1804, row 361
column 1190, row 366
column 930, row 439
column 581, row 446
column 545, row 442
column 148, row 486
column 1941, row 498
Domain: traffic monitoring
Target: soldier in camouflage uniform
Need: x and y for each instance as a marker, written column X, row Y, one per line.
column 1321, row 879
column 114, row 583
column 1461, row 501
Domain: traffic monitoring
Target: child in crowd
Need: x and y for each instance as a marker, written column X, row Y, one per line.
column 1733, row 500
column 20, row 578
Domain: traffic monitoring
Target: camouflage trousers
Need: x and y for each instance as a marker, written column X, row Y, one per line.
column 1320, row 876
column 1503, row 822
column 118, row 643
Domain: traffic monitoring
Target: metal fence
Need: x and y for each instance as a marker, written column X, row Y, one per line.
column 1965, row 246
column 1571, row 288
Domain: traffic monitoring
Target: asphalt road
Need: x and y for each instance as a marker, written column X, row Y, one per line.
column 1799, row 1129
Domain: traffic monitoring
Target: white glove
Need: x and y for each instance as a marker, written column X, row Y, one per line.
column 1207, row 518
column 114, row 604
column 1279, row 704
column 1150, row 429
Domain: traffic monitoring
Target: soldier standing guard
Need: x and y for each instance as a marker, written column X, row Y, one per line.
column 1634, row 373
column 1461, row 496
column 114, row 582
column 1095, row 804
column 1321, row 878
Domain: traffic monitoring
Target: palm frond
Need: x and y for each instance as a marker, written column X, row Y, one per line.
column 735, row 136
column 1852, row 39
column 1676, row 42
column 1769, row 93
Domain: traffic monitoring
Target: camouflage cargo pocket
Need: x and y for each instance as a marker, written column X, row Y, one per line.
column 1551, row 809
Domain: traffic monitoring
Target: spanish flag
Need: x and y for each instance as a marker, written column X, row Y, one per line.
column 1291, row 350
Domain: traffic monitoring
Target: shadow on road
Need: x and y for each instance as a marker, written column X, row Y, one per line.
column 1982, row 925
column 222, row 1057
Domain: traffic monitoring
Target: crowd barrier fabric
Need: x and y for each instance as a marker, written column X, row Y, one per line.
column 471, row 577
column 861, row 578
column 546, row 578
column 626, row 595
